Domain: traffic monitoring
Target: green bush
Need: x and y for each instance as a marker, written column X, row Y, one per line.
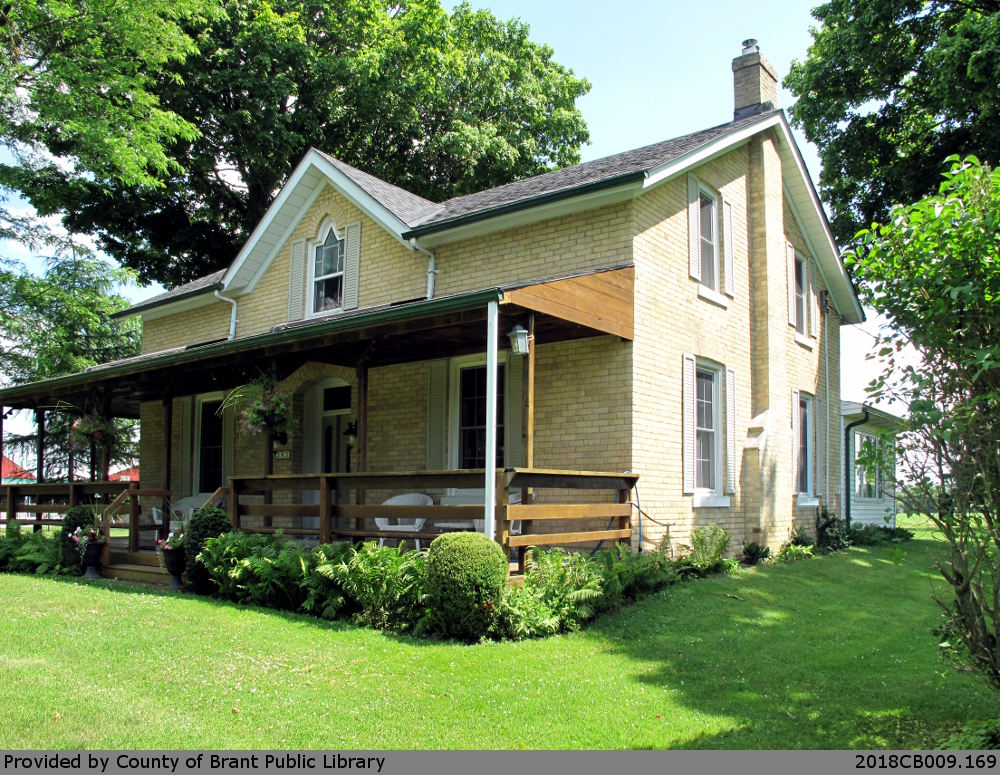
column 323, row 587
column 877, row 535
column 627, row 575
column 708, row 546
column 799, row 537
column 831, row 533
column 38, row 554
column 204, row 524
column 466, row 577
column 975, row 736
column 78, row 516
column 386, row 584
column 10, row 542
column 221, row 557
column 754, row 553
column 792, row 552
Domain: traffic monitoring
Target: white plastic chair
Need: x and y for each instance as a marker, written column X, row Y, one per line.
column 404, row 525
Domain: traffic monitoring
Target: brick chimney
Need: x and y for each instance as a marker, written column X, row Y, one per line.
column 755, row 84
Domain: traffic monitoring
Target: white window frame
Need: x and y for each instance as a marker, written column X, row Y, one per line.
column 860, row 474
column 227, row 441
column 807, row 496
column 801, row 321
column 456, row 365
column 711, row 293
column 324, row 230
column 705, row 496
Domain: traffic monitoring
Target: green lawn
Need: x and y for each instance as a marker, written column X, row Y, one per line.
column 835, row 652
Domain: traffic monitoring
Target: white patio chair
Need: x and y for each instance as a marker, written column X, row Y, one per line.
column 402, row 524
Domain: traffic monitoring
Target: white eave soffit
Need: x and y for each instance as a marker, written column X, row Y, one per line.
column 307, row 181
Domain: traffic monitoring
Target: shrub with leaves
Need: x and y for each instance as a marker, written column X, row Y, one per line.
column 222, row 555
column 799, row 537
column 466, row 578
column 568, row 585
column 324, row 590
column 627, row 575
column 708, row 546
column 877, row 535
column 204, row 524
column 10, row 542
column 386, row 583
column 975, row 736
column 792, row 552
column 754, row 553
column 831, row 532
column 38, row 554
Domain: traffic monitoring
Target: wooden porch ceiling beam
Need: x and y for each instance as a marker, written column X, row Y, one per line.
column 602, row 302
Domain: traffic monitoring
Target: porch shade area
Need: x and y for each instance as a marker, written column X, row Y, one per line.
column 422, row 329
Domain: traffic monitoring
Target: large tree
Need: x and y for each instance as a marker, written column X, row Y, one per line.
column 888, row 89
column 933, row 269
column 440, row 104
column 60, row 323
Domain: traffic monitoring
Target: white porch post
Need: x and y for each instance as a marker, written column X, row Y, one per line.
column 490, row 500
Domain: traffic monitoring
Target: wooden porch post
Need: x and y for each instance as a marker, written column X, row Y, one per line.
column 105, row 449
column 39, row 459
column 71, row 463
column 362, row 431
column 490, row 499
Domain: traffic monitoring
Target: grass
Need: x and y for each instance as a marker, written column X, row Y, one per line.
column 835, row 652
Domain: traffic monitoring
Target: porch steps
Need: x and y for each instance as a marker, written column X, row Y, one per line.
column 142, row 567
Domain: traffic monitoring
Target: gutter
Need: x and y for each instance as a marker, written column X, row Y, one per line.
column 153, row 303
column 432, row 269
column 232, row 317
column 525, row 204
column 848, row 468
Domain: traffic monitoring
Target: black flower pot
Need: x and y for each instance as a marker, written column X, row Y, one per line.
column 174, row 562
column 91, row 558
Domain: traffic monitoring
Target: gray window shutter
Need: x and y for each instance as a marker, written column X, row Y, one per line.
column 689, row 422
column 790, row 249
column 187, row 444
column 732, row 443
column 514, row 396
column 795, row 441
column 727, row 246
column 437, row 414
column 297, row 280
column 352, row 264
column 694, row 228
column 813, row 305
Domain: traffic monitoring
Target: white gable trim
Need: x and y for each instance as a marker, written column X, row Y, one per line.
column 308, row 179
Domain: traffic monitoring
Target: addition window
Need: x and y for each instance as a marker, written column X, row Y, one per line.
column 709, row 241
column 707, row 425
column 805, row 475
column 328, row 274
column 800, row 296
column 866, row 448
column 472, row 416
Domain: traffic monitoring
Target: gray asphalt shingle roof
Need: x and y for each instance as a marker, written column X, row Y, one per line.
column 421, row 215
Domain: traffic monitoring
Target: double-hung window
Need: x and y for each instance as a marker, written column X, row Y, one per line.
column 800, row 296
column 866, row 450
column 328, row 274
column 709, row 241
column 805, row 446
column 706, row 430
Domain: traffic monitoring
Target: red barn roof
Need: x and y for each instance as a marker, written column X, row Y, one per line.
column 11, row 470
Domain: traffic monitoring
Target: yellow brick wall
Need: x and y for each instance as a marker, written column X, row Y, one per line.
column 195, row 326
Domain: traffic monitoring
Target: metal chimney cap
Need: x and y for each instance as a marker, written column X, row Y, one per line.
column 750, row 46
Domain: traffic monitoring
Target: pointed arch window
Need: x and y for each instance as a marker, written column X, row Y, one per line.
column 328, row 273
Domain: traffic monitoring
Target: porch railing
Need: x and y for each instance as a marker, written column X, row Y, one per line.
column 535, row 507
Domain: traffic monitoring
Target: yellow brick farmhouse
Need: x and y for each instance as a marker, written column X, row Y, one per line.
column 639, row 344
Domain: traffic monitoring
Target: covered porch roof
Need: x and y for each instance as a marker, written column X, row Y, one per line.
column 568, row 307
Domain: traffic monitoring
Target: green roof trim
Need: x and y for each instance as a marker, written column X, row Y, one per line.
column 286, row 332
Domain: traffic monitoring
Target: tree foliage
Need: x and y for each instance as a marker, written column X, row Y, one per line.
column 60, row 323
column 440, row 104
column 889, row 88
column 934, row 270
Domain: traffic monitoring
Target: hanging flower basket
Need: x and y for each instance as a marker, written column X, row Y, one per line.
column 263, row 407
column 91, row 427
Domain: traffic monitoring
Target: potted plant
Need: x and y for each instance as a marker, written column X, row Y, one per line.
column 171, row 554
column 263, row 407
column 90, row 544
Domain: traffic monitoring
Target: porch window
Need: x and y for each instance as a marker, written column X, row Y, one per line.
column 210, row 445
column 472, row 417
column 328, row 274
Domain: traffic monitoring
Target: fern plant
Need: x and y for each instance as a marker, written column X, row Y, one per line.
column 221, row 556
column 708, row 546
column 324, row 592
column 386, row 583
column 274, row 576
column 38, row 554
column 10, row 542
column 568, row 584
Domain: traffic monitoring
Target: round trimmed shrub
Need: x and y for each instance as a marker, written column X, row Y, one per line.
column 466, row 577
column 204, row 524
column 78, row 516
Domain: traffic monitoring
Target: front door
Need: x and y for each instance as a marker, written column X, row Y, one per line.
column 325, row 417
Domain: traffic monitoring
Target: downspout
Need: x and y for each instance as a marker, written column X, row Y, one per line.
column 848, row 468
column 431, row 265
column 232, row 317
column 826, row 372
